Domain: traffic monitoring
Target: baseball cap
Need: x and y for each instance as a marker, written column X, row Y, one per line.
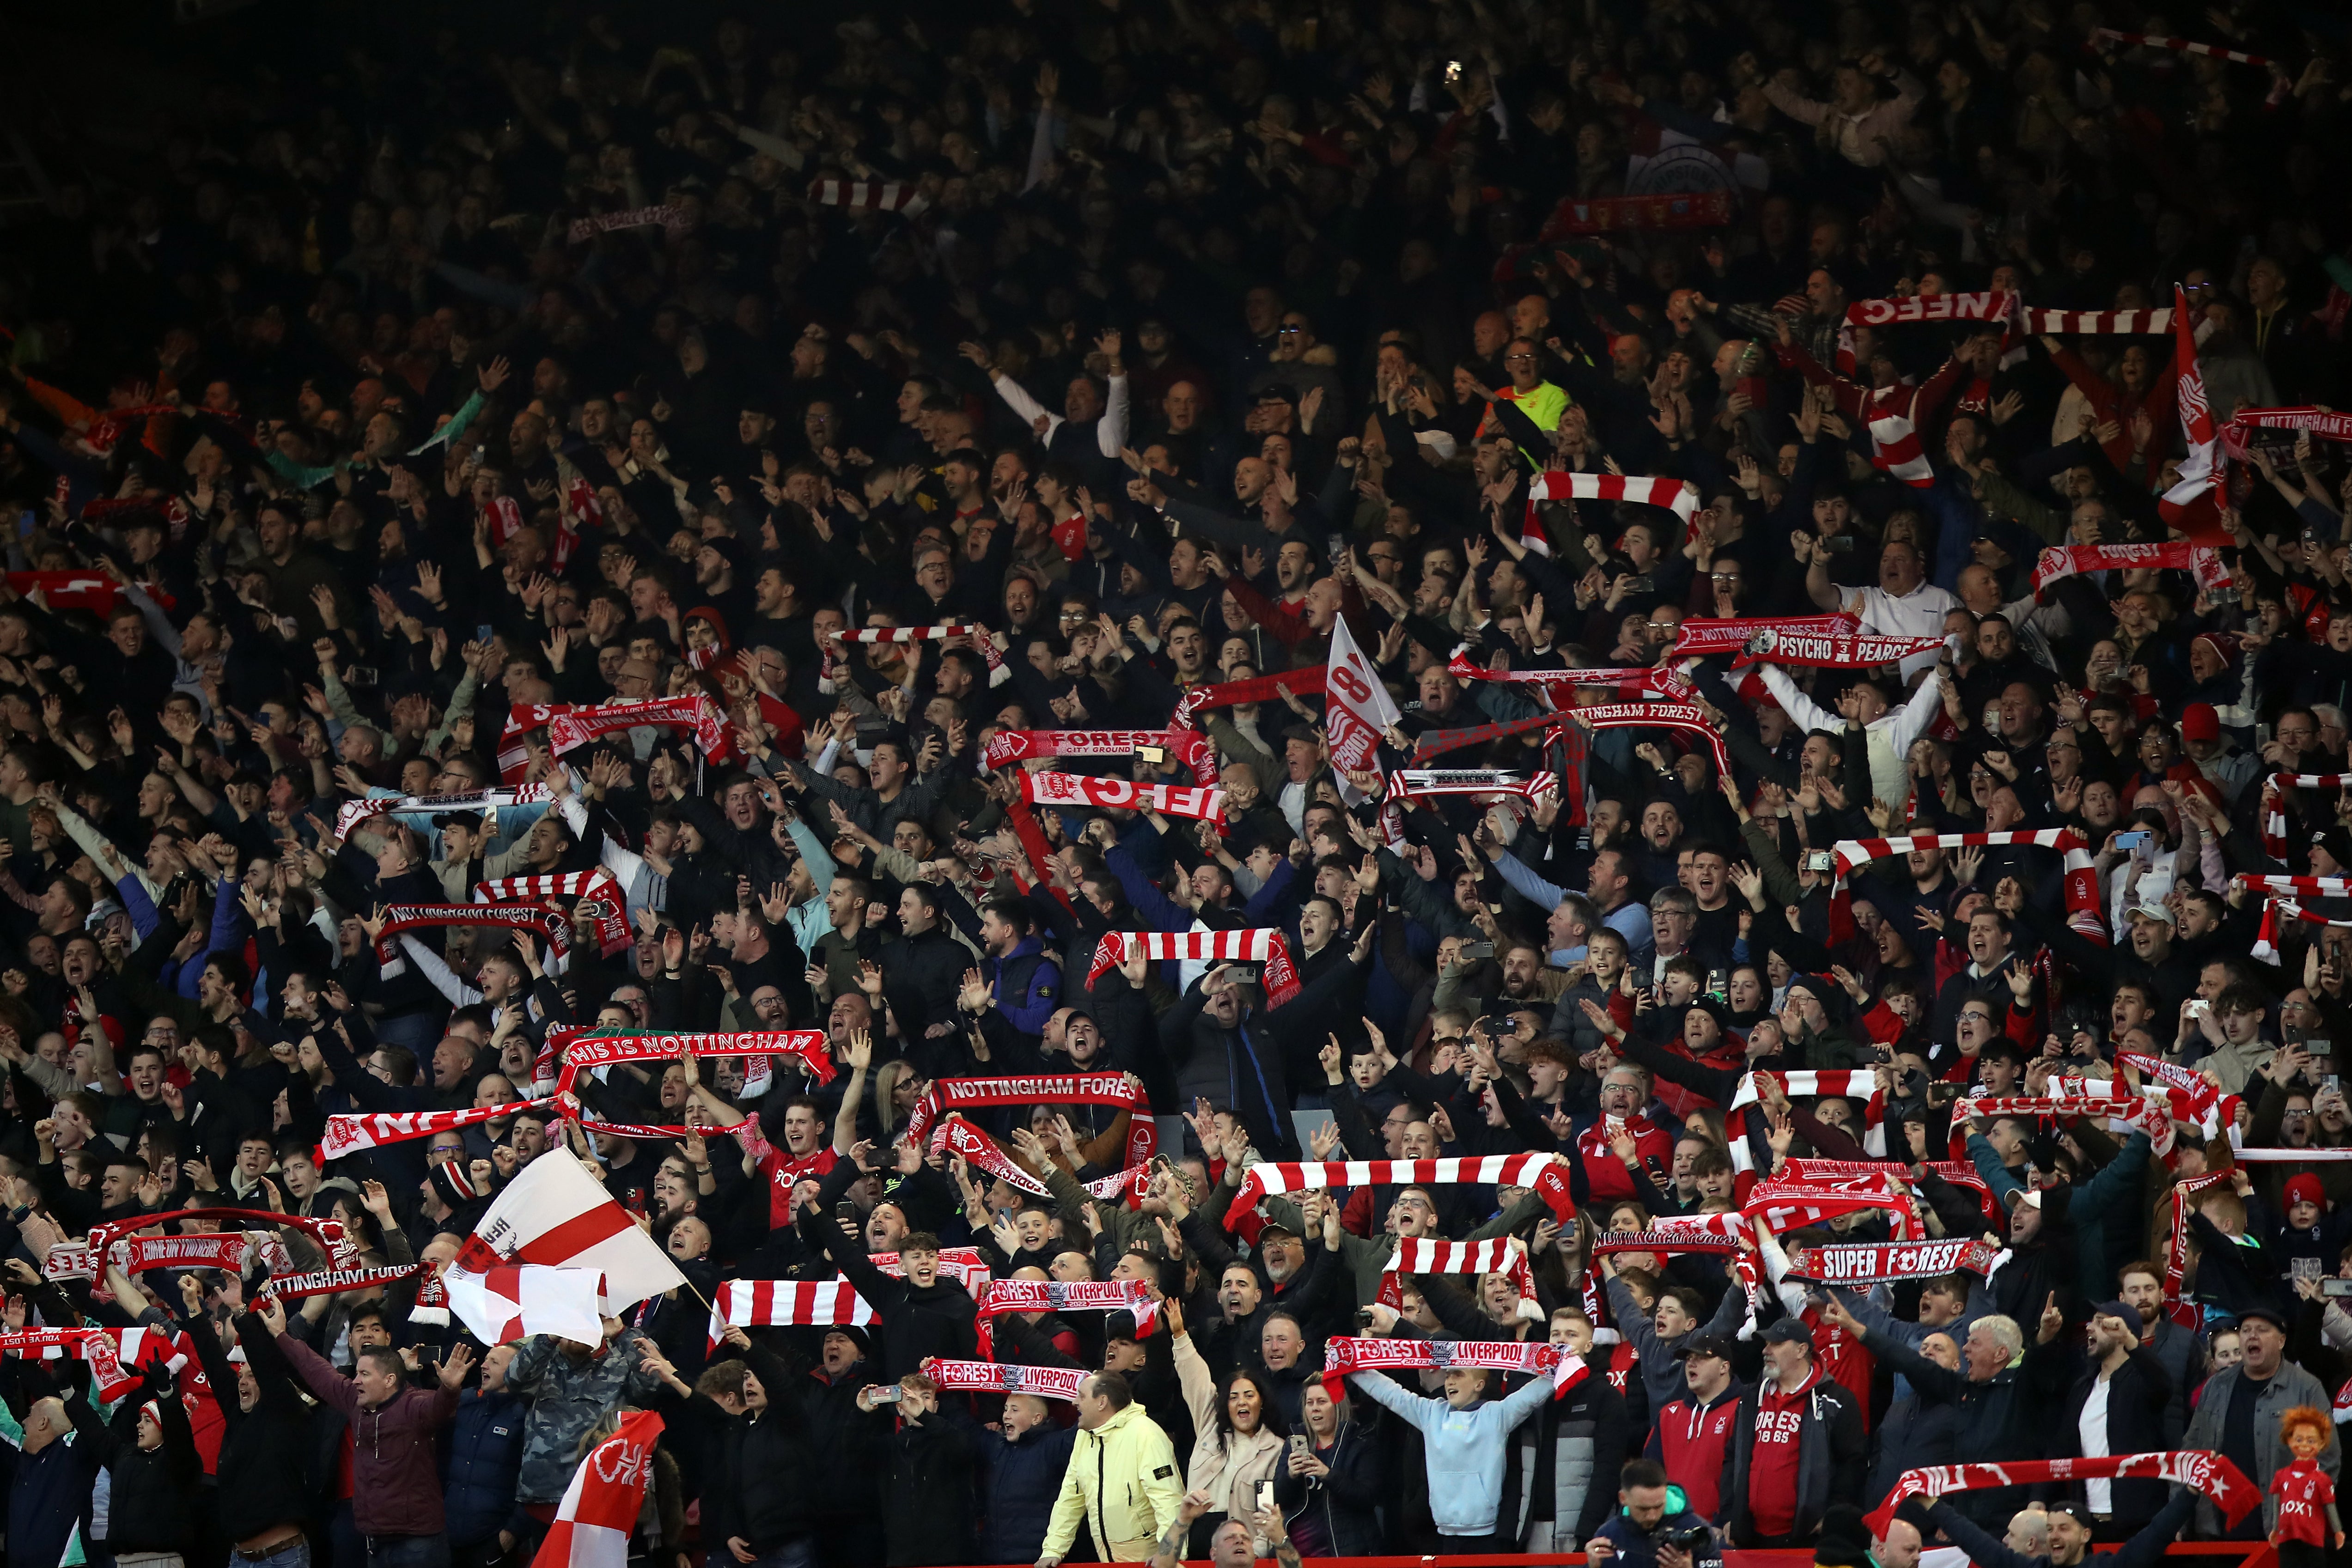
column 1715, row 1344
column 2118, row 1310
column 2151, row 911
column 2200, row 721
column 1789, row 1331
column 2269, row 1314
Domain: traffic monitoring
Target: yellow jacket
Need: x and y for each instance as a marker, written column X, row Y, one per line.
column 1122, row 1481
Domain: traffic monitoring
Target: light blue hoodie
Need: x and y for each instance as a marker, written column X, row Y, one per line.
column 1465, row 1449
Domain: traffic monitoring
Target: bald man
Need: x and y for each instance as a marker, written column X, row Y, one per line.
column 53, row 1478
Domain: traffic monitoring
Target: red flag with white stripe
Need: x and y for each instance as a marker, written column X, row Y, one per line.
column 2190, row 506
column 600, row 1507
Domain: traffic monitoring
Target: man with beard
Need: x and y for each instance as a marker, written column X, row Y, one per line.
column 2174, row 1348
column 2116, row 1406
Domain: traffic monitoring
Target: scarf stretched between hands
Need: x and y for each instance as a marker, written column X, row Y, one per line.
column 404, row 918
column 960, row 1139
column 2326, row 424
column 1299, row 682
column 1658, row 716
column 327, row 1233
column 333, row 1281
column 1807, row 1192
column 787, row 1303
column 1260, row 946
column 897, row 196
column 2179, row 45
column 1426, row 1255
column 581, row 1049
column 583, row 230
column 1341, row 1356
column 349, row 1134
column 1673, row 495
column 1189, row 747
column 1545, row 1173
column 1833, row 649
column 569, row 729
column 2082, row 878
column 1655, row 679
column 1085, row 790
column 1716, row 1234
column 2222, row 1483
column 950, row 1095
column 1801, row 1085
column 2139, row 1112
column 1704, row 638
column 594, row 890
column 997, row 674
column 1871, row 1264
column 1062, row 1296
column 470, row 802
column 1438, row 742
column 2056, row 562
column 1005, row 1377
column 1429, row 783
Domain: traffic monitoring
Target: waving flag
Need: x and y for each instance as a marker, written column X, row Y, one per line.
column 559, row 1217
column 513, row 1301
column 2190, row 505
column 600, row 1507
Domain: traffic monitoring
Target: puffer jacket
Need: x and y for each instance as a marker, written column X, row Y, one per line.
column 1226, row 1467
column 485, row 1456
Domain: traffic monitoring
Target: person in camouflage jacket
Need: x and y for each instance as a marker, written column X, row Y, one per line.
column 570, row 1387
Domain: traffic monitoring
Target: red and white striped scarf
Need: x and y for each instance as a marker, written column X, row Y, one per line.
column 2098, row 323
column 1701, row 639
column 1652, row 678
column 2177, row 1306
column 473, row 802
column 1300, row 683
column 1189, row 747
column 569, row 729
column 1006, row 1378
column 2114, row 1106
column 1801, row 1085
column 897, row 196
column 2266, row 938
column 2177, row 46
column 787, row 1303
column 2082, row 878
column 1992, row 308
column 997, row 673
column 2190, row 506
column 1807, row 1192
column 2274, row 810
column 1894, row 447
column 1546, row 1173
column 1427, row 1255
column 595, row 890
column 1836, row 651
column 1203, row 803
column 1674, row 495
column 1879, row 1263
column 1532, row 1358
column 950, row 1095
column 405, row 917
column 1257, row 945
column 2072, row 561
column 2222, row 1483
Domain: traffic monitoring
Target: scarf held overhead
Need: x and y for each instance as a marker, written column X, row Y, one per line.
column 1262, row 945
column 1189, row 747
column 2222, row 1483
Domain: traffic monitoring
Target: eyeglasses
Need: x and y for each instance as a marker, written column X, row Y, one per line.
column 1518, row 358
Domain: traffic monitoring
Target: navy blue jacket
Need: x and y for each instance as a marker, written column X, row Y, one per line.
column 1021, row 1482
column 483, row 1464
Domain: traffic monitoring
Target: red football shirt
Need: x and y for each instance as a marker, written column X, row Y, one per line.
column 2303, row 1493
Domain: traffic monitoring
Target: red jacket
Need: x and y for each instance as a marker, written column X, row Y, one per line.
column 395, row 1479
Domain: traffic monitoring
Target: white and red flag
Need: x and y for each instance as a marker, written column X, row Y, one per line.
column 514, row 1301
column 2191, row 505
column 1358, row 709
column 556, row 1215
column 600, row 1507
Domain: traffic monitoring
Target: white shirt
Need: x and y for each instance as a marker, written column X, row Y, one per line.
column 2093, row 1424
column 1918, row 614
